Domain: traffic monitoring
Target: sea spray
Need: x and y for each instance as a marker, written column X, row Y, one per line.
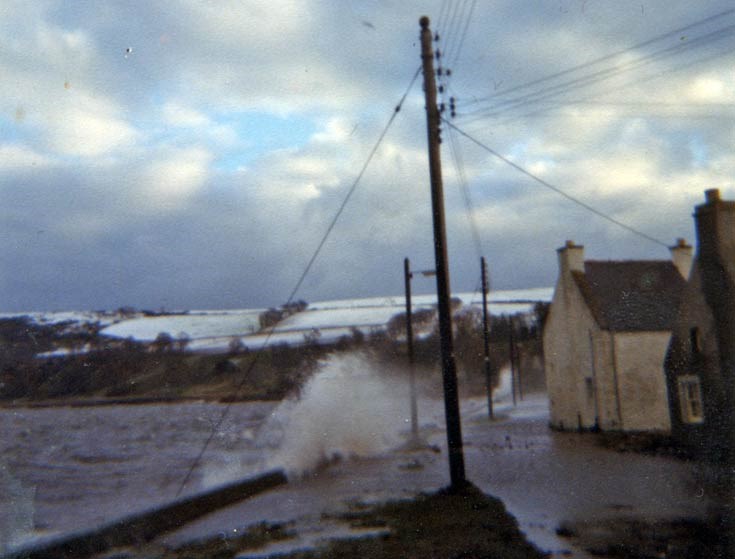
column 16, row 510
column 503, row 391
column 350, row 408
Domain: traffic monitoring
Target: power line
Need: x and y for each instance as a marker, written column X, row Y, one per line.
column 600, row 75
column 558, row 190
column 442, row 14
column 625, row 110
column 636, row 81
column 462, row 180
column 301, row 279
column 453, row 41
column 451, row 51
column 464, row 33
column 610, row 56
column 641, row 104
column 449, row 34
column 353, row 188
column 469, row 207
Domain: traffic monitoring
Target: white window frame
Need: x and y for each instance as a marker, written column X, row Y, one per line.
column 690, row 399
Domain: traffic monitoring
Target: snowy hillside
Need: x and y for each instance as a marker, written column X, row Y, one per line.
column 323, row 321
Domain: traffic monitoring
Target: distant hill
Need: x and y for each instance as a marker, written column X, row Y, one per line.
column 214, row 331
column 124, row 354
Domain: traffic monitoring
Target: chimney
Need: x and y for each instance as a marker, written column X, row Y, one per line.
column 715, row 224
column 571, row 258
column 681, row 256
column 712, row 195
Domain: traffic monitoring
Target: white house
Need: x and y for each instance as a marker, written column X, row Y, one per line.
column 606, row 337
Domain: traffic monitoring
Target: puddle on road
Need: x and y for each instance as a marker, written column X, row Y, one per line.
column 312, row 538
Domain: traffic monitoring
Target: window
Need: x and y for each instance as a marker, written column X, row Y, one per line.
column 690, row 399
column 695, row 338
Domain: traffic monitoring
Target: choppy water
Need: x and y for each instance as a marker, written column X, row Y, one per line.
column 71, row 468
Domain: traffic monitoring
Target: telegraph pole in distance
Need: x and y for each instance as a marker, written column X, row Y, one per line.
column 449, row 368
column 512, row 358
column 486, row 339
column 411, row 359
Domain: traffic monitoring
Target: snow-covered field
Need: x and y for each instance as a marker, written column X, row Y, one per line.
column 323, row 321
column 194, row 325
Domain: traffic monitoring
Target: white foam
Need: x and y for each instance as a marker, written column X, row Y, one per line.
column 16, row 511
column 350, row 408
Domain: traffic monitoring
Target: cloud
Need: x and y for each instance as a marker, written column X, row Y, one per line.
column 20, row 157
column 86, row 127
column 176, row 114
column 711, row 89
column 204, row 168
column 171, row 182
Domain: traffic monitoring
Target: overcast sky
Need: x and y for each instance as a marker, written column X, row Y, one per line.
column 191, row 154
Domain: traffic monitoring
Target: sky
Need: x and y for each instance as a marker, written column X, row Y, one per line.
column 192, row 154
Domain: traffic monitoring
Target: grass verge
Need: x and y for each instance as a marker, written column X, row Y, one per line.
column 462, row 524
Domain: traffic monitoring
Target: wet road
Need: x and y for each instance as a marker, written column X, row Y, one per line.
column 544, row 478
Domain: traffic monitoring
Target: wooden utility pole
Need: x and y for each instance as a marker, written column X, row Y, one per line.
column 449, row 368
column 486, row 339
column 411, row 360
column 512, row 358
column 519, row 368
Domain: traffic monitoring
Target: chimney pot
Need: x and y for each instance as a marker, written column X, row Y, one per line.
column 681, row 257
column 571, row 257
column 712, row 195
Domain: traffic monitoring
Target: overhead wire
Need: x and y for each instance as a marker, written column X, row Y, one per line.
column 556, row 189
column 595, row 77
column 466, row 197
column 636, row 81
column 460, row 23
column 442, row 15
column 444, row 76
column 638, row 46
column 458, row 162
column 448, row 36
column 300, row 281
column 455, row 58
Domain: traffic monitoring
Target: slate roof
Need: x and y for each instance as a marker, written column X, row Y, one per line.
column 631, row 296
